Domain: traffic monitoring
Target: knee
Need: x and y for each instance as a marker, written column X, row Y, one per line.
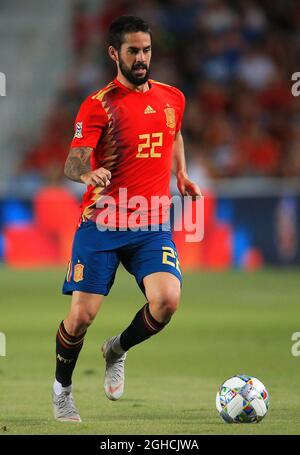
column 78, row 321
column 165, row 303
column 170, row 302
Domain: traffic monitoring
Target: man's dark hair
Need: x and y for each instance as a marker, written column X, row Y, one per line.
column 126, row 24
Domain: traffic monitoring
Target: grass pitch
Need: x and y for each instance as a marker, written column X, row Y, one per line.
column 228, row 323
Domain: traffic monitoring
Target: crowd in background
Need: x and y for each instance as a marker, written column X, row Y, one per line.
column 233, row 60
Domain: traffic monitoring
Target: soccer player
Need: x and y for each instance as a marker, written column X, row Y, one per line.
column 127, row 136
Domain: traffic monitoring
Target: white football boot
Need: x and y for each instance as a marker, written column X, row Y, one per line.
column 64, row 407
column 114, row 373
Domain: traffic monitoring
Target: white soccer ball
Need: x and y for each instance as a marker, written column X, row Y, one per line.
column 242, row 399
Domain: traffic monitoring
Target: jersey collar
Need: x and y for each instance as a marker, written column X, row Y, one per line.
column 122, row 86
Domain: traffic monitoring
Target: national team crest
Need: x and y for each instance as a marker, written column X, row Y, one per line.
column 78, row 130
column 170, row 117
column 78, row 272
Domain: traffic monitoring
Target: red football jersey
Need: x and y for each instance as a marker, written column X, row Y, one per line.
column 132, row 135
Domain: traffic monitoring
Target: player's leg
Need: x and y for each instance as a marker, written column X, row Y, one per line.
column 90, row 275
column 71, row 333
column 156, row 268
column 69, row 341
column 162, row 290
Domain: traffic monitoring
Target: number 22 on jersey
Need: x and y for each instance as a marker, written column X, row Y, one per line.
column 147, row 148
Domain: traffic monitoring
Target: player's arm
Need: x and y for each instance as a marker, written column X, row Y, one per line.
column 185, row 186
column 78, row 169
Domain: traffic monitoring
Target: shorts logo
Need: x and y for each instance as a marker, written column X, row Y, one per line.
column 78, row 130
column 170, row 117
column 78, row 272
column 69, row 272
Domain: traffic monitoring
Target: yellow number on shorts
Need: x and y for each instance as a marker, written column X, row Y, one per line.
column 170, row 257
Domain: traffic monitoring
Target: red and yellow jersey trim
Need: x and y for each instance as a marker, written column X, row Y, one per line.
column 100, row 95
column 109, row 147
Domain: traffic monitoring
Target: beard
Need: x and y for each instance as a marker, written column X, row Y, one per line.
column 131, row 76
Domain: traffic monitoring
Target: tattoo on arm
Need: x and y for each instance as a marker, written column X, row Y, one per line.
column 78, row 163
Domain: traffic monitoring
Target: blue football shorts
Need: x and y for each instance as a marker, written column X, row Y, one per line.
column 96, row 256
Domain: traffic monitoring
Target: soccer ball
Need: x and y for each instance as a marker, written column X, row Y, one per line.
column 242, row 399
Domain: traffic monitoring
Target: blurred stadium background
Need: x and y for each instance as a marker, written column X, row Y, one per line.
column 234, row 61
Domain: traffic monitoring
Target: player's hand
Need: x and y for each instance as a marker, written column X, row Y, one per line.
column 97, row 177
column 188, row 188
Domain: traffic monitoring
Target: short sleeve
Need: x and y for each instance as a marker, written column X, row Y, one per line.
column 89, row 124
column 181, row 112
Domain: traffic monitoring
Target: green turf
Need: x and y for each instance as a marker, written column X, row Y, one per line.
column 228, row 323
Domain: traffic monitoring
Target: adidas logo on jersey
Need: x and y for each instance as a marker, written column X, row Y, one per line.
column 149, row 110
